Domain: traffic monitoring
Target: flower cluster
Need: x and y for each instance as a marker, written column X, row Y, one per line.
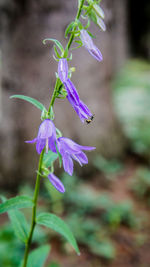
column 47, row 139
column 67, row 148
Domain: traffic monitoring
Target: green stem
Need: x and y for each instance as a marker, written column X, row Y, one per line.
column 77, row 17
column 37, row 186
column 54, row 94
column 36, row 192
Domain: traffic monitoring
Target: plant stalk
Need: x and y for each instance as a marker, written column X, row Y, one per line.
column 36, row 192
column 38, row 178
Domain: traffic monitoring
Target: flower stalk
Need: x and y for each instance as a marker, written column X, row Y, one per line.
column 37, row 186
column 33, row 223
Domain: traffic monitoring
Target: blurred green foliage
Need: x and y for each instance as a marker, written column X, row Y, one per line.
column 11, row 249
column 94, row 216
column 140, row 184
column 132, row 103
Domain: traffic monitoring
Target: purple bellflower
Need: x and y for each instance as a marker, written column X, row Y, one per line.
column 46, row 137
column 90, row 46
column 72, row 94
column 70, row 150
column 56, row 183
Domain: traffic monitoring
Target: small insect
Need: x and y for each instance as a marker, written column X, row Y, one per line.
column 90, row 119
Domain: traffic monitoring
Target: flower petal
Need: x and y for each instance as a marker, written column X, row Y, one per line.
column 56, row 183
column 46, row 129
column 81, row 158
column 95, row 52
column 72, row 92
column 68, row 164
column 67, row 145
column 31, row 141
column 90, row 46
column 51, row 143
column 40, row 144
column 63, row 70
column 83, row 111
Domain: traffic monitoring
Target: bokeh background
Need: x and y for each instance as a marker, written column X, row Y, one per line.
column 107, row 202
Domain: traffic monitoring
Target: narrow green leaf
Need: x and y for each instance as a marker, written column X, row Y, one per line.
column 56, row 42
column 38, row 256
column 20, row 225
column 58, row 225
column 56, row 52
column 69, row 28
column 16, row 203
column 49, row 158
column 31, row 100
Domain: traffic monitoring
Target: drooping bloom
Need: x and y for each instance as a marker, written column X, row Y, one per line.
column 46, row 137
column 56, row 183
column 70, row 150
column 72, row 95
column 63, row 69
column 90, row 46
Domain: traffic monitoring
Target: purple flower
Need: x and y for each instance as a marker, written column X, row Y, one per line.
column 73, row 95
column 70, row 150
column 81, row 109
column 46, row 137
column 56, row 183
column 63, row 69
column 90, row 46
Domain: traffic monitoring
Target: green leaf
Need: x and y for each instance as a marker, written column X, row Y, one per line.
column 38, row 256
column 16, row 203
column 56, row 52
column 58, row 225
column 56, row 42
column 69, row 28
column 31, row 100
column 49, row 158
column 19, row 224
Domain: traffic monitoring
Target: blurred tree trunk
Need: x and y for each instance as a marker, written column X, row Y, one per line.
column 28, row 68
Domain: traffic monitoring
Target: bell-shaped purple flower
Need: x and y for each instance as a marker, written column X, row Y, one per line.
column 70, row 150
column 46, row 137
column 72, row 95
column 63, row 69
column 56, row 183
column 90, row 46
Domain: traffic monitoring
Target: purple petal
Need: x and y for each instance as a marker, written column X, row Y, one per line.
column 56, row 183
column 72, row 92
column 95, row 52
column 63, row 69
column 81, row 115
column 83, row 111
column 46, row 129
column 51, row 143
column 81, row 158
column 31, row 141
column 88, row 148
column 40, row 145
column 67, row 163
column 86, row 39
column 90, row 46
column 67, row 145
